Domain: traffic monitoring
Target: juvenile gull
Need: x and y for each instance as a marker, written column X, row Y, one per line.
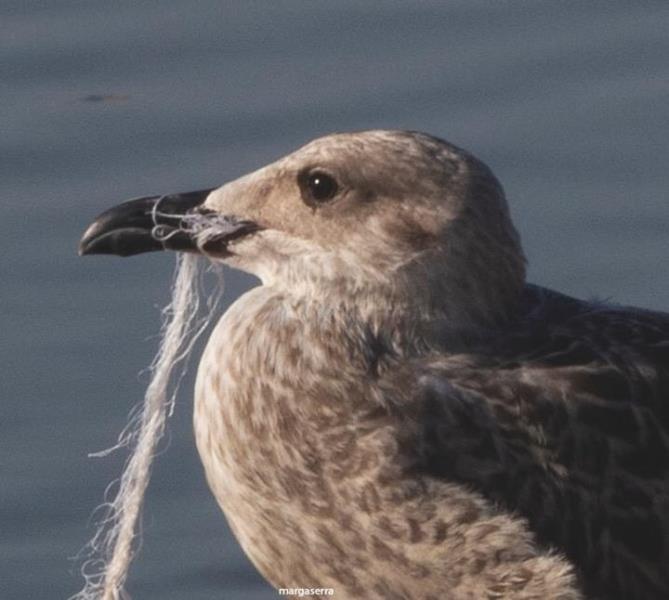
column 395, row 413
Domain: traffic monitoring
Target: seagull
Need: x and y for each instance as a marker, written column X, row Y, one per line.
column 394, row 412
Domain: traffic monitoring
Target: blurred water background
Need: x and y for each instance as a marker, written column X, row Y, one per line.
column 101, row 101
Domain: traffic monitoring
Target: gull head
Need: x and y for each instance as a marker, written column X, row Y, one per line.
column 394, row 218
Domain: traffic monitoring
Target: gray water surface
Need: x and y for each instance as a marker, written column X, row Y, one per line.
column 568, row 102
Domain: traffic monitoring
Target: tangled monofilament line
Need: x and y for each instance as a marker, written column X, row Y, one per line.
column 109, row 553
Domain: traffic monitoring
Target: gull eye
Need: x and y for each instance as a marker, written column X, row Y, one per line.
column 321, row 186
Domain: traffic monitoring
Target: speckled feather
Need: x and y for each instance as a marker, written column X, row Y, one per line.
column 562, row 419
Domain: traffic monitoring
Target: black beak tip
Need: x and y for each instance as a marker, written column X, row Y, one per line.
column 87, row 242
column 127, row 228
column 137, row 226
column 125, row 241
column 98, row 241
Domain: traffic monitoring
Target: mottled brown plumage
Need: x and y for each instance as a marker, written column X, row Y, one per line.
column 396, row 414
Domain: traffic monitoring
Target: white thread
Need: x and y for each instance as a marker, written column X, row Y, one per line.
column 111, row 549
column 162, row 233
column 204, row 227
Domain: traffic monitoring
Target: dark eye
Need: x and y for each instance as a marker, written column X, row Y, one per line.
column 321, row 186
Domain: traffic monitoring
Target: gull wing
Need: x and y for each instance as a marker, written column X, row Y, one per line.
column 565, row 422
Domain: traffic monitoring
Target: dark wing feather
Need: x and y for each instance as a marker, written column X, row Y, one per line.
column 564, row 420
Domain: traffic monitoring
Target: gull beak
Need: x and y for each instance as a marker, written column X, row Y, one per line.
column 157, row 223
